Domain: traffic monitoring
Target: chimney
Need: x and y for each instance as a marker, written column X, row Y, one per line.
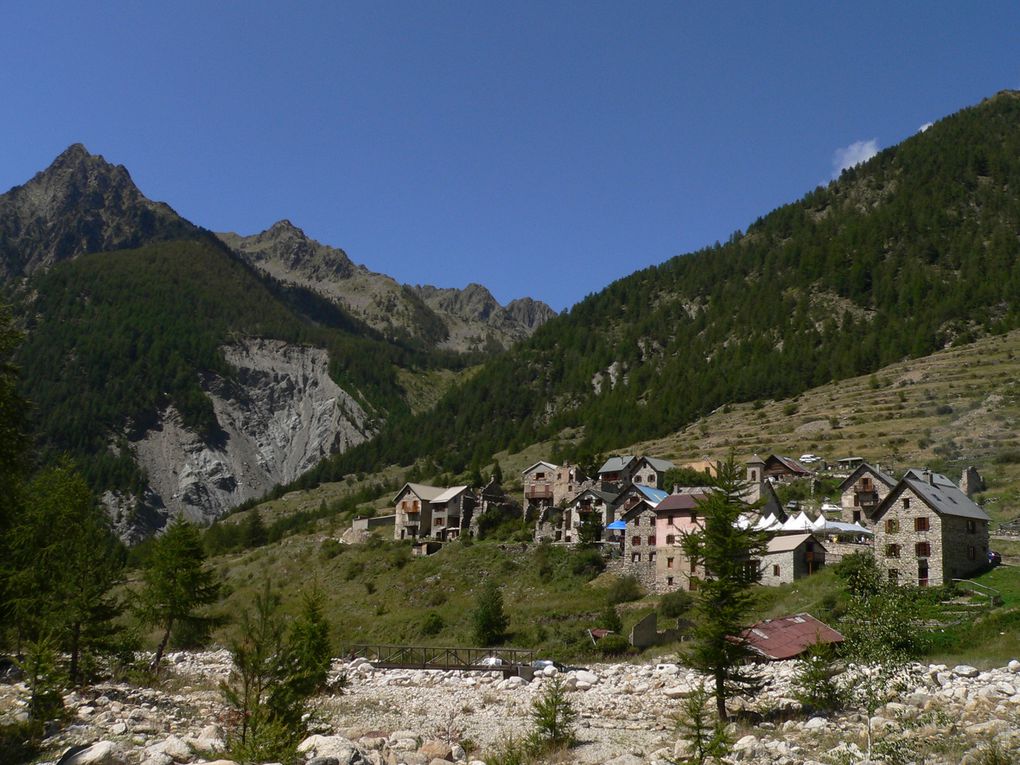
column 931, row 478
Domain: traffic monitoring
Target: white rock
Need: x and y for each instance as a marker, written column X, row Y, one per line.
column 100, row 753
column 327, row 746
column 584, row 676
column 816, row 723
column 1013, row 666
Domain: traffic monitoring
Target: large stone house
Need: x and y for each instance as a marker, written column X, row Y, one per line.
column 603, row 503
column 676, row 516
column 414, row 510
column 547, row 486
column 862, row 492
column 640, row 543
column 928, row 532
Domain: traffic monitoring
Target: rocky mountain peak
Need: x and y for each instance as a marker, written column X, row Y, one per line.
column 79, row 204
column 529, row 312
column 289, row 248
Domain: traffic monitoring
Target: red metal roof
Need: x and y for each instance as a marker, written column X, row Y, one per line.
column 789, row 636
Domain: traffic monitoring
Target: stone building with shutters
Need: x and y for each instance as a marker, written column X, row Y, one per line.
column 928, row 532
column 862, row 492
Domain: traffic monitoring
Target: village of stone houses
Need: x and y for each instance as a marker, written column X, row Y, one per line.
column 923, row 529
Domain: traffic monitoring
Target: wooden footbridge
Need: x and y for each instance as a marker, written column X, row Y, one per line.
column 509, row 661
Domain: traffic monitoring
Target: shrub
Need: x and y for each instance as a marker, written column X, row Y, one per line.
column 432, row 624
column 330, row 548
column 814, row 680
column 587, row 563
column 611, row 619
column 613, row 645
column 675, row 604
column 625, row 589
column 489, row 622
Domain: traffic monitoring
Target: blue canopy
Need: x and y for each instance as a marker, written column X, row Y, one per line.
column 617, row 525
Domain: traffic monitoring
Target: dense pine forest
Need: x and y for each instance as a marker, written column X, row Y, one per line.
column 913, row 251
column 113, row 338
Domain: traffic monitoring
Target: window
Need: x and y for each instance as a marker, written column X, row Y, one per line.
column 669, row 563
column 921, row 523
column 670, row 539
column 971, row 527
column 651, row 557
column 922, row 549
column 906, row 503
column 635, row 541
column 539, row 476
column 894, row 576
column 775, row 571
column 637, row 521
column 865, row 484
column 892, row 551
column 692, row 585
column 971, row 553
column 669, row 581
column 892, row 526
column 637, row 479
column 754, row 475
column 857, row 500
column 922, row 573
column 651, row 539
column 635, row 557
column 857, row 516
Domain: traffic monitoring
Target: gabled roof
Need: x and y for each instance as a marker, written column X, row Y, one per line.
column 859, row 471
column 680, row 502
column 421, row 490
column 786, row 543
column 661, row 465
column 616, row 464
column 637, row 509
column 789, row 636
column 939, row 493
column 790, row 463
column 609, row 497
column 449, row 494
column 540, row 462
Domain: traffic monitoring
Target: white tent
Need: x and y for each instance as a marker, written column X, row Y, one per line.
column 800, row 522
column 766, row 523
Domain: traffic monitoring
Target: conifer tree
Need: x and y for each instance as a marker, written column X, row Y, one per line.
column 729, row 557
column 66, row 561
column 488, row 619
column 176, row 583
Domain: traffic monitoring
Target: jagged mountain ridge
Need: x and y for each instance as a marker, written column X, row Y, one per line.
column 455, row 319
column 79, row 204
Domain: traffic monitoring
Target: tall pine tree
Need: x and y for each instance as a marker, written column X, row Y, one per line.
column 729, row 557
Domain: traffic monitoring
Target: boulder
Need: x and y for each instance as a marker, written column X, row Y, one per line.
column 338, row 747
column 437, row 750
column 100, row 753
column 965, row 670
column 584, row 676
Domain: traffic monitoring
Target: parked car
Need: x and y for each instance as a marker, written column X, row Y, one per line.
column 831, row 507
column 809, row 458
column 538, row 664
column 491, row 661
column 994, row 558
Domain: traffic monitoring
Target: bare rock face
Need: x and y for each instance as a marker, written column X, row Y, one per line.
column 454, row 319
column 281, row 413
column 80, row 204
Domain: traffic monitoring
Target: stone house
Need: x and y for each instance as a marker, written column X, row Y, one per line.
column 590, row 500
column 928, row 532
column 414, row 510
column 862, row 492
column 640, row 543
column 547, row 486
column 619, row 472
column 450, row 511
column 789, row 557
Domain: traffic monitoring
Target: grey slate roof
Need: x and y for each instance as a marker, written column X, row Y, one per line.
column 661, row 465
column 616, row 464
column 942, row 495
column 850, row 479
column 421, row 490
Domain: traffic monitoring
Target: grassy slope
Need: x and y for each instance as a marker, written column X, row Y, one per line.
column 891, row 417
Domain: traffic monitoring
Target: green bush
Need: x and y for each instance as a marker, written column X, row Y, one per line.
column 613, row 645
column 432, row 624
column 625, row 589
column 675, row 604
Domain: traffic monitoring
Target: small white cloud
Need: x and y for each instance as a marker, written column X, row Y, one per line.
column 854, row 154
column 925, row 126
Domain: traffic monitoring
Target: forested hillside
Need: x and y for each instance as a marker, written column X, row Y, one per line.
column 912, row 251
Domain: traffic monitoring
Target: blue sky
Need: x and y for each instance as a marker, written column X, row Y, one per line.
column 538, row 148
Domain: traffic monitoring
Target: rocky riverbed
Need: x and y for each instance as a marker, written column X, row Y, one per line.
column 626, row 717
